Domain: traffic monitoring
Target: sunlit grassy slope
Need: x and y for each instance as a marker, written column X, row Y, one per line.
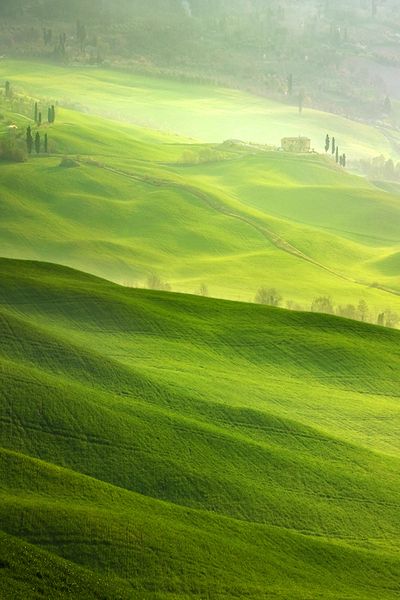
column 207, row 113
column 241, row 219
column 167, row 446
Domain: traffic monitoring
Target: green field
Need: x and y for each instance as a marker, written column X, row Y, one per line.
column 205, row 113
column 166, row 446
column 232, row 217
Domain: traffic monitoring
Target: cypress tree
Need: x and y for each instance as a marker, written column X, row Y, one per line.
column 344, row 159
column 29, row 140
column 46, row 143
column 53, row 113
column 327, row 143
column 49, row 115
column 37, row 142
column 290, row 84
column 8, row 89
column 337, row 154
column 333, row 145
column 39, row 119
column 301, row 101
column 387, row 106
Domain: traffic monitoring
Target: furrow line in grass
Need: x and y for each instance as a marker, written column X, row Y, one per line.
column 215, row 204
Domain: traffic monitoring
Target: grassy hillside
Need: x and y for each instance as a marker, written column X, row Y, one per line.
column 206, row 113
column 182, row 447
column 231, row 217
column 30, row 572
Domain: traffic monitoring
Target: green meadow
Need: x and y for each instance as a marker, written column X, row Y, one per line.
column 233, row 217
column 204, row 112
column 160, row 445
column 167, row 446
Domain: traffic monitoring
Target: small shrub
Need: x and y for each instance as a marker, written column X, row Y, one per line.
column 154, row 282
column 12, row 152
column 68, row 163
column 269, row 296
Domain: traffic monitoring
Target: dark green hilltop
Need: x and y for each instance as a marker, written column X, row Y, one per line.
column 159, row 445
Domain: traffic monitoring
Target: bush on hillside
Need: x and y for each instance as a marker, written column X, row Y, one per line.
column 154, row 282
column 12, row 151
column 68, row 163
column 269, row 296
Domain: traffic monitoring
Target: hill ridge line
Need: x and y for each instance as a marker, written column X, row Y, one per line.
column 278, row 241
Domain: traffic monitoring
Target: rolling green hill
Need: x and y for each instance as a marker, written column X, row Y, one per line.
column 164, row 446
column 206, row 113
column 230, row 216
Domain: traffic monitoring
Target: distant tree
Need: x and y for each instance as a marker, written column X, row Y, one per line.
column 203, row 290
column 333, row 145
column 49, row 115
column 301, row 99
column 81, row 35
column 387, row 106
column 341, row 160
column 337, row 154
column 268, row 296
column 46, row 143
column 36, row 115
column 389, row 169
column 381, row 319
column 37, row 143
column 60, row 48
column 53, row 113
column 154, row 282
column 362, row 310
column 323, row 304
column 344, row 160
column 29, row 140
column 7, row 89
column 11, row 151
column 349, row 311
column 290, row 84
column 327, row 143
column 47, row 36
column 39, row 121
column 391, row 318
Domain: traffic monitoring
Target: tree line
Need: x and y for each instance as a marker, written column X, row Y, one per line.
column 51, row 115
column 36, row 142
column 379, row 167
column 332, row 147
column 324, row 304
column 359, row 311
column 16, row 146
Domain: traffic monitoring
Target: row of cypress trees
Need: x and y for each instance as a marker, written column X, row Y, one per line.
column 51, row 114
column 36, row 142
column 331, row 145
